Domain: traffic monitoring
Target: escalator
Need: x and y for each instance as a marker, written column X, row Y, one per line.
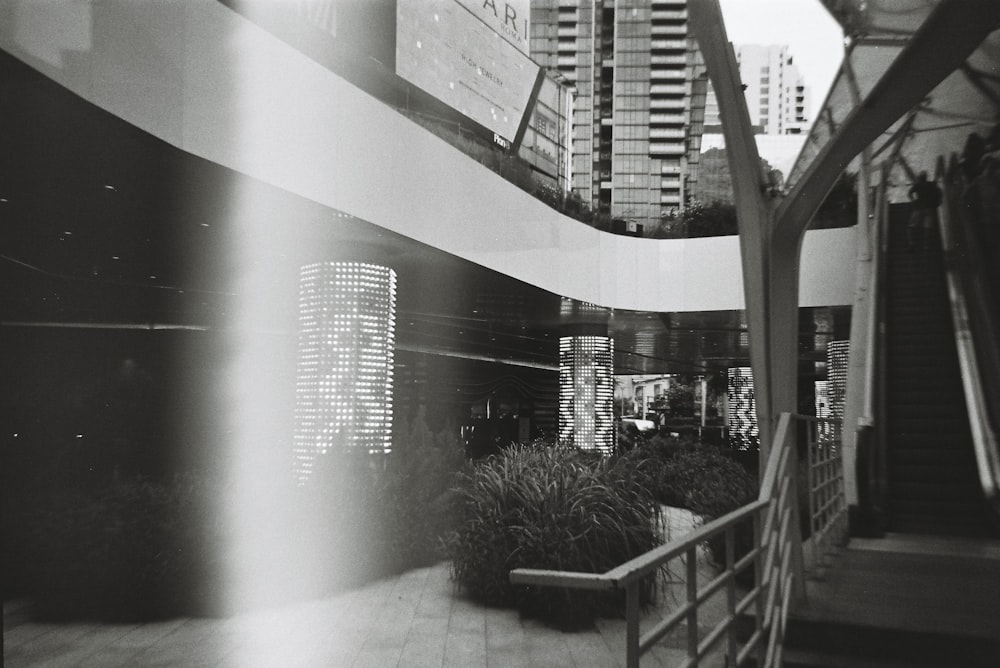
column 933, row 485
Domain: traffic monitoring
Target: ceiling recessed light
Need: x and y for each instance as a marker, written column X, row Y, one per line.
column 108, row 186
column 115, row 257
column 4, row 200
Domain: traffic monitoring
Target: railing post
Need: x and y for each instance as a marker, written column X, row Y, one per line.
column 692, row 597
column 811, row 482
column 632, row 624
column 758, row 566
column 794, row 537
column 733, row 648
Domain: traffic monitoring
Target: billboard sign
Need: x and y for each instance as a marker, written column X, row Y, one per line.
column 445, row 49
column 509, row 18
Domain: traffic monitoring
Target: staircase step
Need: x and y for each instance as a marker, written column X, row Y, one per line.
column 927, row 424
column 905, row 457
column 909, row 276
column 901, row 344
column 914, row 330
column 913, row 322
column 901, row 393
column 931, row 492
column 814, row 643
column 792, row 657
column 920, row 354
column 920, row 442
column 943, row 470
column 952, row 410
column 925, row 375
column 974, row 526
column 917, row 297
column 948, row 504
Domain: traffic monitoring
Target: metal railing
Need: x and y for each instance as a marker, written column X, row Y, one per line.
column 775, row 556
column 827, row 503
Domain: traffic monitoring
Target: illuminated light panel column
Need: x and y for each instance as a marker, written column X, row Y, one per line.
column 743, row 433
column 837, row 357
column 586, row 392
column 347, row 324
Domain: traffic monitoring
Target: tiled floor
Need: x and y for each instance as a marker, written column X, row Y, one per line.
column 415, row 619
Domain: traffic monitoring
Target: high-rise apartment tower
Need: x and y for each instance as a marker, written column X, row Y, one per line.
column 640, row 90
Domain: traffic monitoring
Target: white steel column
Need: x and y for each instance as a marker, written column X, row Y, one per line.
column 768, row 301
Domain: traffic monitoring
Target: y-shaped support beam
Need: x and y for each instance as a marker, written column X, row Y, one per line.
column 771, row 237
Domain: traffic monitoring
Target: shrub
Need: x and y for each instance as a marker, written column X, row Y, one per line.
column 714, row 484
column 702, row 479
column 550, row 508
column 133, row 549
column 415, row 497
column 657, row 456
column 124, row 552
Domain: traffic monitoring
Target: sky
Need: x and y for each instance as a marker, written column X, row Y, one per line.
column 814, row 39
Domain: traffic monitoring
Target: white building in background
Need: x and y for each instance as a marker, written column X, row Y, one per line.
column 777, row 96
column 778, row 102
column 636, row 393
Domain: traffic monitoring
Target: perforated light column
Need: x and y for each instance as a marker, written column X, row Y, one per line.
column 743, row 432
column 347, row 324
column 586, row 392
column 837, row 357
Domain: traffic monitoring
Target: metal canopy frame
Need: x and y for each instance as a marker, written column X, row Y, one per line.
column 880, row 96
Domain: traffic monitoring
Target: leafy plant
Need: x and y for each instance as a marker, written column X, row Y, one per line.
column 703, row 479
column 129, row 551
column 551, row 508
column 415, row 497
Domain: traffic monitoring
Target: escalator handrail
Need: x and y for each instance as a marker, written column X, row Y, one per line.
column 984, row 437
column 870, row 435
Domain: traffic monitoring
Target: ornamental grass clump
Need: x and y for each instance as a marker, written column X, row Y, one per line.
column 551, row 508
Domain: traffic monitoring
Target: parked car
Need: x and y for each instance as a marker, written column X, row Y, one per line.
column 643, row 426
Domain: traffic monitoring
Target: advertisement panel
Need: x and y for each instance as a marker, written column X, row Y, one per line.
column 445, row 49
column 509, row 18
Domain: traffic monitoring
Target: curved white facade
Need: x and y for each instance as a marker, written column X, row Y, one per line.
column 208, row 81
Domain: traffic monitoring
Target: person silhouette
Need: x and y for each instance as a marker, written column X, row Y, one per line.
column 926, row 198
